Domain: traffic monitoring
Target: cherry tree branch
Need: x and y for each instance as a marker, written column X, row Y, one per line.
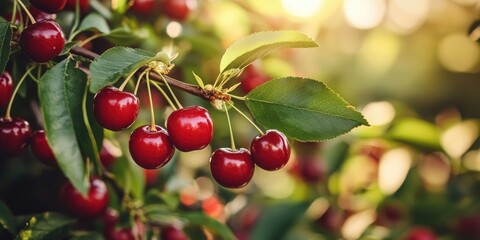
column 189, row 88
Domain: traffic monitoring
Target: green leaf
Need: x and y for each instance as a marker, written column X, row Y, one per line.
column 7, row 220
column 155, row 196
column 125, row 36
column 68, row 46
column 129, row 176
column 94, row 22
column 114, row 63
column 248, row 49
column 47, row 226
column 159, row 213
column 86, row 236
column 276, row 221
column 198, row 80
column 218, row 229
column 61, row 94
column 416, row 132
column 303, row 109
column 5, row 38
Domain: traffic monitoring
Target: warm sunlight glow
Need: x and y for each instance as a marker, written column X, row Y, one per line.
column 302, row 8
column 393, row 169
column 457, row 139
column 174, row 29
column 458, row 53
column 404, row 16
column 356, row 224
column 364, row 14
column 379, row 113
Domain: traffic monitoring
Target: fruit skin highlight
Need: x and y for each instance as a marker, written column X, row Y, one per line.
column 114, row 109
column 150, row 149
column 190, row 128
column 271, row 150
column 14, row 136
column 232, row 168
column 42, row 41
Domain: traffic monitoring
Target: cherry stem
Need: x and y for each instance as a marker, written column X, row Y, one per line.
column 245, row 116
column 237, row 97
column 139, row 80
column 76, row 21
column 124, row 84
column 229, row 127
column 216, row 80
column 96, row 162
column 14, row 13
column 171, row 92
column 165, row 95
column 10, row 103
column 32, row 19
column 152, row 113
column 95, row 36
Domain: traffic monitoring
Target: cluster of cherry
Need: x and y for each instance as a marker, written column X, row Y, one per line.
column 187, row 129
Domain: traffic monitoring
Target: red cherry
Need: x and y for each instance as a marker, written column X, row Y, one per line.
column 115, row 110
column 42, row 41
column 109, row 153
column 6, row 89
column 84, row 5
column 190, row 128
column 120, row 234
column 14, row 136
column 41, row 149
column 177, row 9
column 49, row 6
column 143, row 7
column 271, row 150
column 90, row 207
column 421, row 233
column 110, row 218
column 332, row 220
column 150, row 149
column 172, row 233
column 251, row 78
column 312, row 170
column 40, row 15
column 232, row 168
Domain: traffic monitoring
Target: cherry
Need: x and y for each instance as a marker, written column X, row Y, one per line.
column 172, row 233
column 40, row 15
column 421, row 233
column 14, row 136
column 42, row 41
column 271, row 150
column 49, row 6
column 120, row 234
column 332, row 219
column 190, row 128
column 41, row 149
column 251, row 78
column 150, row 149
column 110, row 218
column 143, row 7
column 312, row 170
column 115, row 110
column 90, row 207
column 176, row 9
column 232, row 168
column 109, row 153
column 151, row 176
column 83, row 4
column 6, row 89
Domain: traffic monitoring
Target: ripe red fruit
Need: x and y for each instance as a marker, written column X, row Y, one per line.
column 251, row 78
column 150, row 149
column 312, row 170
column 120, row 234
column 421, row 233
column 151, row 176
column 83, row 4
column 40, row 15
column 42, row 41
column 332, row 220
column 14, row 136
column 49, row 6
column 271, row 150
column 6, row 89
column 41, row 149
column 232, row 168
column 90, row 207
column 115, row 110
column 143, row 7
column 190, row 128
column 109, row 153
column 176, row 9
column 110, row 218
column 172, row 233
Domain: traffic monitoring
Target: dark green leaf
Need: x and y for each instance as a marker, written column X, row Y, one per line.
column 124, row 37
column 7, row 220
column 248, row 49
column 5, row 38
column 169, row 199
column 303, row 109
column 94, row 22
column 275, row 222
column 129, row 176
column 61, row 94
column 47, row 226
column 114, row 63
column 217, row 228
column 86, row 236
column 417, row 132
column 159, row 213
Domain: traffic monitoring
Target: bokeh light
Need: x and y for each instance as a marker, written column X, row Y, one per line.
column 302, row 8
column 364, row 14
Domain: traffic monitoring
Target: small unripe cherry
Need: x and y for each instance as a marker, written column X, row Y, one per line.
column 271, row 150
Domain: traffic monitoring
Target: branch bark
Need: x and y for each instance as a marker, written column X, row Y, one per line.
column 190, row 88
